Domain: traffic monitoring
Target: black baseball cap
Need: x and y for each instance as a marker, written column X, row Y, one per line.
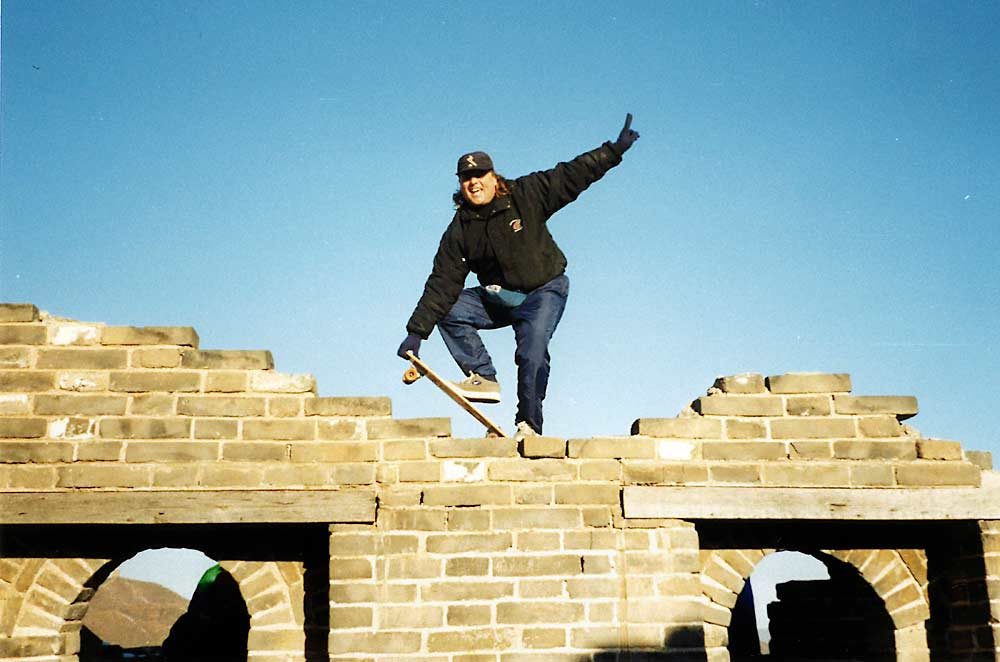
column 474, row 161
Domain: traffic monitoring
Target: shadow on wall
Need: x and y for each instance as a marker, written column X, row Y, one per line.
column 683, row 645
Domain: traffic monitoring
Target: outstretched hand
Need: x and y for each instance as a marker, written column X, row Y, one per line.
column 410, row 344
column 627, row 135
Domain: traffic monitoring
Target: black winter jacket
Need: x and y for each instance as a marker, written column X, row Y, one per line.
column 507, row 242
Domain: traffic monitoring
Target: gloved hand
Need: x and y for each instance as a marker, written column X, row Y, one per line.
column 627, row 135
column 411, row 344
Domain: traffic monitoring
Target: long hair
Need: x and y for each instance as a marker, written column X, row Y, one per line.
column 503, row 188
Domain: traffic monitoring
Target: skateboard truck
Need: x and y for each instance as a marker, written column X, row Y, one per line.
column 418, row 369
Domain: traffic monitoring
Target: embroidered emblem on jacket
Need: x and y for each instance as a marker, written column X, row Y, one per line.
column 516, row 226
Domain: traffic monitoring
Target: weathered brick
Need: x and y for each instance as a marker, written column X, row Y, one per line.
column 539, row 612
column 808, row 405
column 813, row 428
column 747, row 382
column 105, row 475
column 482, row 447
column 903, row 449
column 553, row 447
column 664, row 610
column 535, row 518
column 612, row 448
column 922, row 473
column 467, row 519
column 284, row 407
column 465, row 542
column 23, row 428
column 354, row 451
column 664, row 473
column 85, row 359
column 734, row 473
column 183, row 336
column 351, row 474
column 165, row 357
column 414, row 520
column 465, row 590
column 18, row 312
column 279, row 430
column 171, row 451
column 19, row 452
column 140, row 381
column 485, row 639
column 74, row 333
column 584, row 494
column 938, row 449
column 694, row 427
column 15, row 357
column 982, row 459
column 738, row 428
column 600, row 470
column 145, row 428
column 24, row 381
column 465, row 615
column 387, row 642
column 533, row 495
column 534, row 566
column 23, row 334
column 100, row 451
column 467, row 566
column 27, row 477
column 394, row 428
column 467, row 495
column 420, row 472
column 266, row 381
column 879, row 426
column 531, row 470
column 901, row 406
column 83, row 381
column 220, row 406
column 739, row 405
column 227, row 359
column 80, row 405
column 349, row 406
column 813, row 474
column 227, row 381
column 411, row 616
column 810, row 450
column 264, row 451
column 744, row 450
column 809, row 382
column 14, row 403
column 338, row 430
column 404, row 450
column 207, row 428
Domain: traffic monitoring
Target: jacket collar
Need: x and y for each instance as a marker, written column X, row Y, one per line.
column 483, row 213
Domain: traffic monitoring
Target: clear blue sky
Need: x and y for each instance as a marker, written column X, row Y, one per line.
column 816, row 187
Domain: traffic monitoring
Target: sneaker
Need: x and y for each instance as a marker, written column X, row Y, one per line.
column 478, row 389
column 524, row 430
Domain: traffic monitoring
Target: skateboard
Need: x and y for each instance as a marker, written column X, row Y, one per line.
column 418, row 369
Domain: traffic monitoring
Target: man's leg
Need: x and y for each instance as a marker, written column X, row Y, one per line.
column 535, row 321
column 460, row 330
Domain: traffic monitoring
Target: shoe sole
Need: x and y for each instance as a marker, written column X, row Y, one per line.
column 485, row 398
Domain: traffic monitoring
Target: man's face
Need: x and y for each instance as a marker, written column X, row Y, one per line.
column 478, row 187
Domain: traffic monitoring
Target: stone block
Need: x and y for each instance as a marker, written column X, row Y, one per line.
column 739, row 405
column 349, row 406
column 14, row 403
column 394, row 428
column 279, row 430
column 263, row 451
column 879, row 426
column 808, row 405
column 15, row 357
column 161, row 357
column 220, row 406
column 531, row 470
column 739, row 428
column 153, row 404
column 411, row 616
column 82, row 359
column 538, row 447
column 809, row 382
column 339, row 429
column 227, row 381
column 83, row 381
column 938, row 449
column 465, row 615
column 27, row 477
column 533, row 495
column 926, row 473
column 510, row 519
column 466, row 542
column 747, row 382
column 387, row 642
column 100, row 451
column 351, row 474
column 810, row 450
column 600, row 470
column 539, row 612
column 144, row 428
column 404, row 450
column 467, row 519
column 466, row 591
column 544, row 637
column 639, row 472
column 484, row 639
column 414, row 520
column 74, row 333
column 351, row 617
column 183, row 336
column 467, row 566
column 594, row 493
column 285, row 407
column 227, row 359
column 171, row 451
column 734, row 473
column 467, row 495
column 904, row 449
column 537, row 566
column 481, row 447
column 333, row 451
column 23, row 334
column 23, row 428
column 744, row 450
column 140, row 381
column 982, row 459
column 812, row 474
column 900, row 406
column 694, row 427
column 23, row 381
column 267, row 381
column 612, row 448
column 18, row 312
column 813, row 428
column 104, row 475
column 420, row 472
column 47, row 452
column 80, row 405
column 207, row 428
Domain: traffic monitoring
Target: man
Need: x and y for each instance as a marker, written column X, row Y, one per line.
column 499, row 232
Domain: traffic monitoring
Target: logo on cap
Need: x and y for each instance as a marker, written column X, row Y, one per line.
column 471, row 162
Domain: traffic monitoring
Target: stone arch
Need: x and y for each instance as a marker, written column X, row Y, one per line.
column 57, row 592
column 898, row 578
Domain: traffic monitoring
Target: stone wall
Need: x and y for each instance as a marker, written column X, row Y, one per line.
column 480, row 549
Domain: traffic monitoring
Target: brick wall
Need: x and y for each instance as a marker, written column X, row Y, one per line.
column 481, row 549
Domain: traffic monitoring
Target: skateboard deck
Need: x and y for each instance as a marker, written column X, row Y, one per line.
column 419, row 369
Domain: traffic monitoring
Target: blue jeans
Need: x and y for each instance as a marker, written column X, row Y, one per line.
column 534, row 322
